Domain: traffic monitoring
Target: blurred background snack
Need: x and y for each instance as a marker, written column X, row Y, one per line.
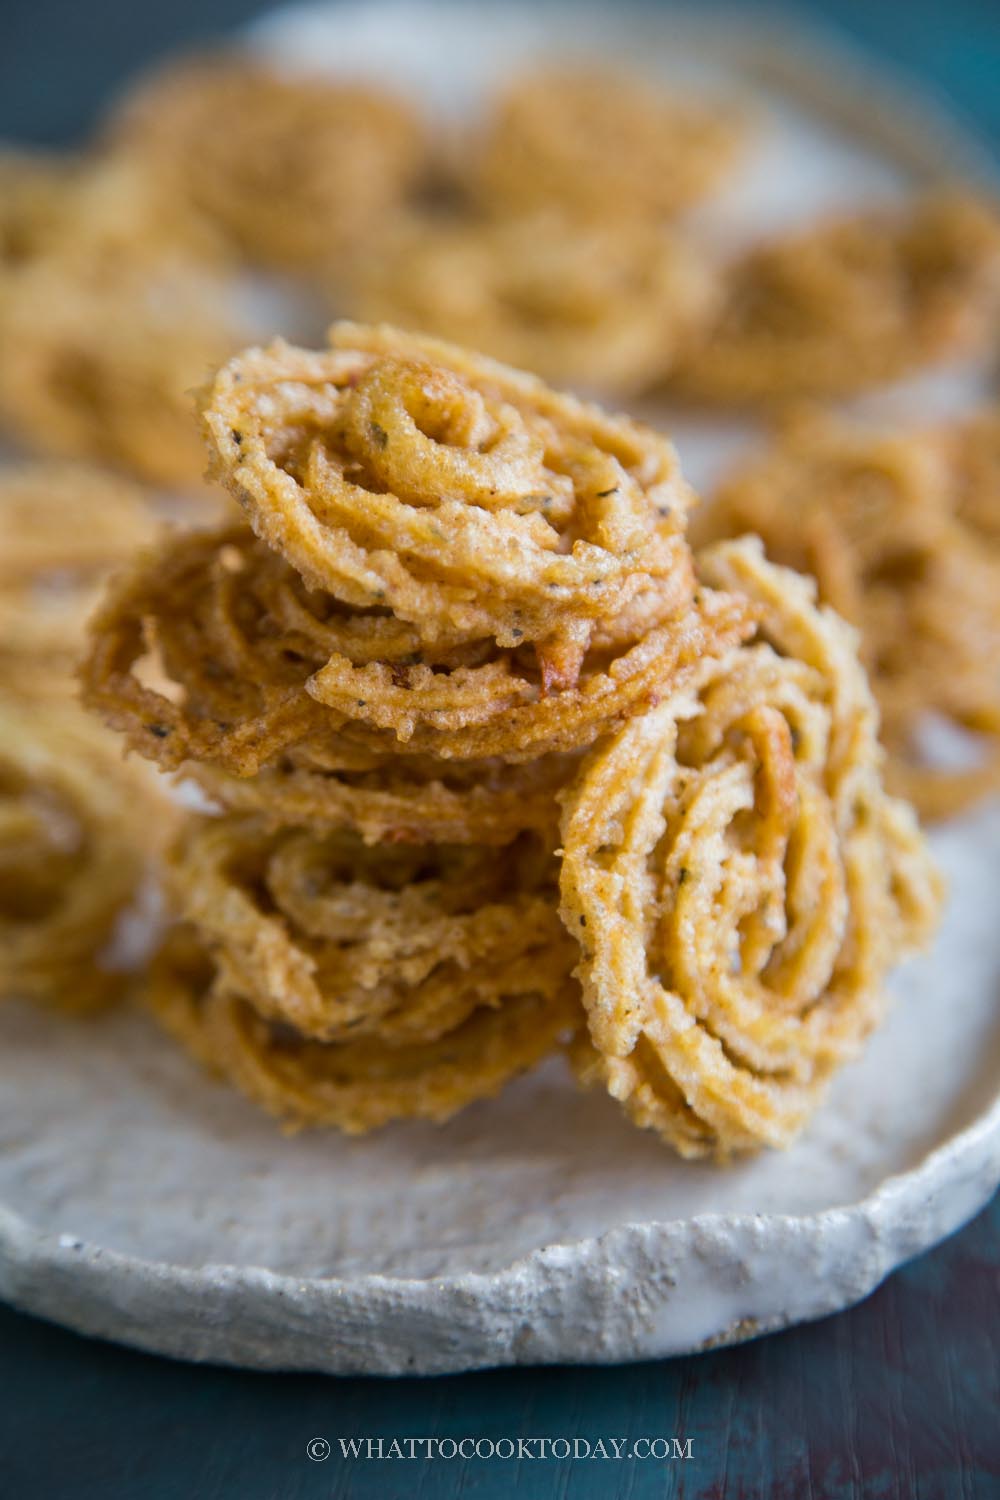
column 880, row 520
column 601, row 144
column 594, row 306
column 103, row 367
column 293, row 171
column 79, row 833
column 63, row 528
column 853, row 303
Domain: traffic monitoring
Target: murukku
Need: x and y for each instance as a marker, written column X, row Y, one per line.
column 181, row 661
column 100, row 365
column 465, row 497
column 62, row 528
column 250, row 665
column 93, row 212
column 599, row 144
column 739, row 882
column 353, row 1086
column 511, row 715
column 113, row 307
column 842, row 306
column 294, row 170
column 973, row 455
column 342, row 940
column 395, row 799
column 76, row 834
column 881, row 522
column 339, row 984
column 33, row 189
column 589, row 306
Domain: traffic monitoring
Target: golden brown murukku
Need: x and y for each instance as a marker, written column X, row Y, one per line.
column 433, row 514
column 33, row 189
column 339, row 984
column 342, row 940
column 62, row 528
column 973, row 454
column 76, row 831
column 92, row 212
column 113, row 306
column 354, row 1086
column 293, row 170
column 100, row 364
column 182, row 663
column 244, row 678
column 521, row 721
column 842, row 306
column 880, row 522
column 394, row 799
column 589, row 306
column 465, row 497
column 597, row 143
column 739, row 882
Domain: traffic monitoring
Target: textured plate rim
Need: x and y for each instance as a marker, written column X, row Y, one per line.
column 579, row 1308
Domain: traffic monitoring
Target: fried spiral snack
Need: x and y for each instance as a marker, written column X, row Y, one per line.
column 467, row 498
column 223, row 690
column 33, row 188
column 739, row 881
column 589, row 306
column 72, row 855
column 503, row 708
column 453, row 562
column 852, row 303
column 353, row 1086
column 294, row 171
column 93, row 212
column 878, row 521
column 113, row 306
column 253, row 665
column 389, row 799
column 62, row 528
column 590, row 142
column 348, row 986
column 98, row 362
column 973, row 453
column 397, row 942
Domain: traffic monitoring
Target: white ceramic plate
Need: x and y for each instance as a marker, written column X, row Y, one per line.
column 144, row 1203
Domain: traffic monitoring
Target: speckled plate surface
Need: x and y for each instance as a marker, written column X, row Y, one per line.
column 140, row 1201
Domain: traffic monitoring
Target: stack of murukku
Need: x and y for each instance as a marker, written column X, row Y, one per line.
column 461, row 607
column 490, row 762
column 451, row 581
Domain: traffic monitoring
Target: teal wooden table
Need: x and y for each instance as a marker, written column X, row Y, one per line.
column 897, row 1399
